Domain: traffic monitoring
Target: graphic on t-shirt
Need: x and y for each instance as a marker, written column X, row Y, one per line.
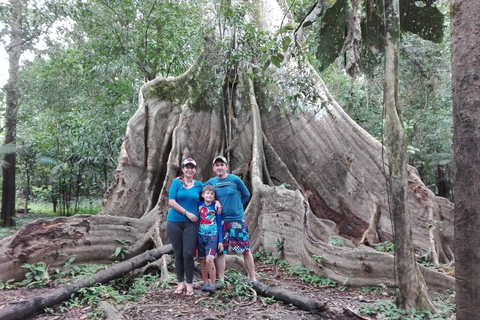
column 208, row 222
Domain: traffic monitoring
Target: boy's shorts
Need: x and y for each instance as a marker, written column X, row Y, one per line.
column 206, row 246
column 235, row 233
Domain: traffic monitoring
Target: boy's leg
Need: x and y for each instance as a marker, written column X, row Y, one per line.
column 211, row 269
column 201, row 257
column 203, row 270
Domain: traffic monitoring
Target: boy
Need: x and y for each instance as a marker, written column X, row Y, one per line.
column 210, row 237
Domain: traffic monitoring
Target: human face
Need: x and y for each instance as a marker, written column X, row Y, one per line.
column 220, row 169
column 189, row 171
column 208, row 196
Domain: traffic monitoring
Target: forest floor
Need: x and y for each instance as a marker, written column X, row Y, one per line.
column 162, row 303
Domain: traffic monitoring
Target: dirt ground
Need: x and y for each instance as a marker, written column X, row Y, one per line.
column 162, row 303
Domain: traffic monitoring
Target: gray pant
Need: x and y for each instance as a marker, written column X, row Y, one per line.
column 183, row 237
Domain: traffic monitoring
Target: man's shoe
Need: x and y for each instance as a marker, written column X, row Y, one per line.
column 219, row 284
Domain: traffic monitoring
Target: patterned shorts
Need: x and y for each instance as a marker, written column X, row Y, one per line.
column 235, row 233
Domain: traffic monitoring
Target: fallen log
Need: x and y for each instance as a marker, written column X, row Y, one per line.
column 24, row 309
column 288, row 297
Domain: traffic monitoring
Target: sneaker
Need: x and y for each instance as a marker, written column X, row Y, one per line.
column 219, row 284
column 208, row 287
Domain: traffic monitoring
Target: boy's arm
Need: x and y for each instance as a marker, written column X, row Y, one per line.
column 219, row 228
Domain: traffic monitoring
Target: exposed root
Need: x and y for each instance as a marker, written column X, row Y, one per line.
column 370, row 236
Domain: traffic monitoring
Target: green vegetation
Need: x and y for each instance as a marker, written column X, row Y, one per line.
column 374, row 290
column 302, row 273
column 280, row 246
column 37, row 274
column 122, row 251
column 388, row 310
column 336, row 241
column 386, row 246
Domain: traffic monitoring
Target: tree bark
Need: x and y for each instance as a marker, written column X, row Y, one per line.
column 27, row 308
column 466, row 134
column 412, row 288
column 14, row 51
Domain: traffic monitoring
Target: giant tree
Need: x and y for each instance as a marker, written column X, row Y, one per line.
column 317, row 179
column 466, row 100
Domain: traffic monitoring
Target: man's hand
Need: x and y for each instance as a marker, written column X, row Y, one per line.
column 220, row 246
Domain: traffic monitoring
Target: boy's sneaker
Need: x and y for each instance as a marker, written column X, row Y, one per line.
column 219, row 284
column 208, row 287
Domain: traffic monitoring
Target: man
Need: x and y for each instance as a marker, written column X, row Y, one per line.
column 232, row 194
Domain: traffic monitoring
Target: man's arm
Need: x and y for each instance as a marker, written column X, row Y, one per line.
column 244, row 193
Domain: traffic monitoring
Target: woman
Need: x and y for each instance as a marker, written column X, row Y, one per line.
column 182, row 224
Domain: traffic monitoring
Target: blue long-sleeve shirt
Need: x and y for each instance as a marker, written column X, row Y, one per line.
column 187, row 198
column 232, row 194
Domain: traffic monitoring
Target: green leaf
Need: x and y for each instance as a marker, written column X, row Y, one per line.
column 332, row 33
column 286, row 42
column 265, row 66
column 117, row 251
column 426, row 22
column 276, row 61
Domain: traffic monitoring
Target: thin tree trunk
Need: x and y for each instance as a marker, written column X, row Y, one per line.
column 466, row 135
column 12, row 88
column 27, row 193
column 412, row 288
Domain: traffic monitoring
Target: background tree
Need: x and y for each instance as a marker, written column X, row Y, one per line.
column 13, row 102
column 412, row 292
column 466, row 119
column 26, row 23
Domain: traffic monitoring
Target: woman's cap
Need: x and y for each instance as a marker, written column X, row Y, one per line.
column 189, row 161
column 219, row 158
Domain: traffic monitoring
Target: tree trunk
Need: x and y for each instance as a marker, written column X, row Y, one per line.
column 466, row 135
column 290, row 298
column 12, row 88
column 315, row 176
column 412, row 289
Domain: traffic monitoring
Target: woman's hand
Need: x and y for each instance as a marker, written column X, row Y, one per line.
column 218, row 207
column 190, row 216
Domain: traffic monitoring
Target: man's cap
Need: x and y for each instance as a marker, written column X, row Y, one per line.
column 219, row 158
column 189, row 161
